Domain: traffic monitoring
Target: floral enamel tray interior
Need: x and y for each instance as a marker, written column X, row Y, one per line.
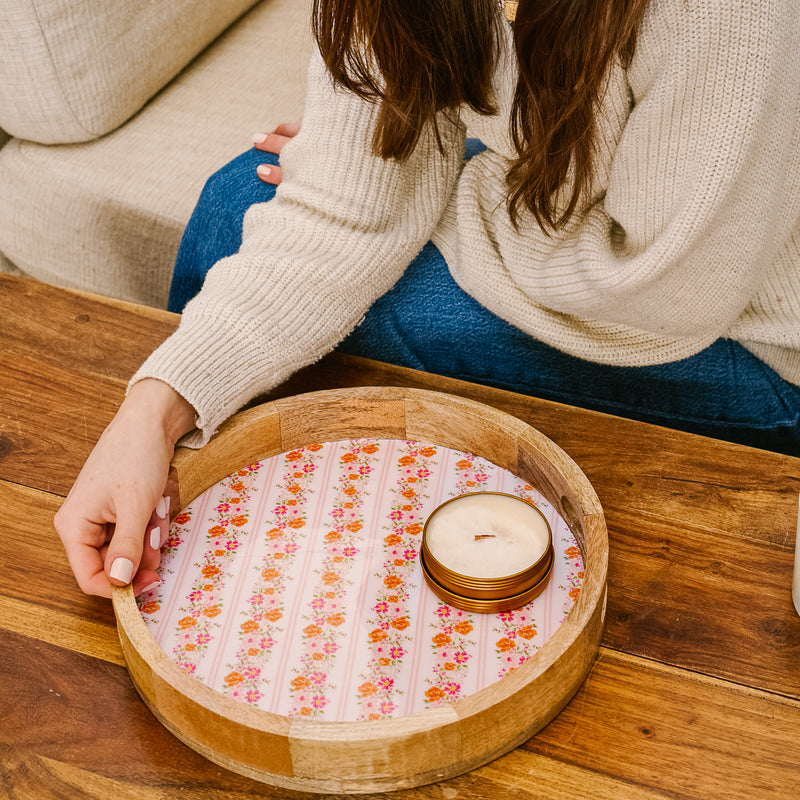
column 294, row 586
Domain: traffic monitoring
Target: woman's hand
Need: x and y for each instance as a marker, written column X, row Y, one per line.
column 115, row 518
column 273, row 143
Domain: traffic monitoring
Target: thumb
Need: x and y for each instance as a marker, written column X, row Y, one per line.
column 125, row 549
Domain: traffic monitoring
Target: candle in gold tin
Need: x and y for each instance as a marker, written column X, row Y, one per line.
column 487, row 551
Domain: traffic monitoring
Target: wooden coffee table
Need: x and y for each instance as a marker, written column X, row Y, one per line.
column 696, row 690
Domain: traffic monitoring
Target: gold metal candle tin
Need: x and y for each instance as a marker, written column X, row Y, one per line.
column 488, row 595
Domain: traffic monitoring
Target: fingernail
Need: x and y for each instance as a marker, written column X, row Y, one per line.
column 259, row 138
column 122, row 570
column 150, row 587
column 264, row 170
column 155, row 538
column 162, row 509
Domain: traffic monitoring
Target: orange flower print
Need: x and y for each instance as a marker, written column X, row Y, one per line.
column 306, row 711
column 294, row 455
column 182, row 518
column 354, row 527
column 392, row 538
column 401, row 623
column 217, row 530
column 377, row 635
column 331, row 577
column 187, row 622
column 273, row 615
column 314, row 447
column 296, row 523
column 317, row 656
column 528, row 632
column 347, row 458
column 150, row 607
column 406, row 461
column 384, row 662
column 239, row 521
column 300, row 682
column 270, row 574
column 210, row 571
column 253, row 652
column 464, row 627
column 212, row 611
column 369, row 449
column 350, row 491
column 219, row 553
column 238, row 486
column 574, row 592
column 434, row 694
column 312, row 630
column 449, row 666
column 335, row 619
column 572, row 552
column 392, row 581
column 464, row 464
column 367, row 688
column 393, row 598
column 428, row 452
column 274, row 533
column 333, row 536
column 414, row 529
column 233, row 678
column 190, row 647
column 409, row 494
column 294, row 488
column 505, row 644
column 441, row 640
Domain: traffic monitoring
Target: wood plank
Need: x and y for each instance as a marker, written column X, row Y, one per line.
column 678, row 733
column 35, row 568
column 50, row 418
column 706, row 601
column 635, row 730
column 93, row 335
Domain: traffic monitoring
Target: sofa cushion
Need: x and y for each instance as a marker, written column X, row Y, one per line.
column 76, row 69
column 107, row 216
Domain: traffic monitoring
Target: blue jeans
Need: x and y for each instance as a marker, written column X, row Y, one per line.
column 428, row 323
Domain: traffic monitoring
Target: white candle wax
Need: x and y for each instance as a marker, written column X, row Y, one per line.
column 487, row 535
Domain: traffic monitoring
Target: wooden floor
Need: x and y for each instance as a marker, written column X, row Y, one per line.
column 696, row 690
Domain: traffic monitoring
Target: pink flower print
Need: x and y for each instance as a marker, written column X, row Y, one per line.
column 423, row 472
column 410, row 554
column 443, row 611
column 337, row 513
column 461, row 657
column 365, row 469
column 231, row 545
column 318, row 701
column 203, row 638
column 396, row 515
column 387, row 707
column 253, row 696
column 452, row 688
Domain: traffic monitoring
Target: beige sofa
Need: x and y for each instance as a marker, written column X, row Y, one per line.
column 114, row 113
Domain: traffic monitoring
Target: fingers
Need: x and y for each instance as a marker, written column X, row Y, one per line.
column 270, row 142
column 83, row 542
column 270, row 173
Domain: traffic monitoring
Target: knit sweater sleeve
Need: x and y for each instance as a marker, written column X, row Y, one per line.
column 697, row 153
column 339, row 233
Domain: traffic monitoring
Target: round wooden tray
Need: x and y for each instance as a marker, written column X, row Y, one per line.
column 387, row 754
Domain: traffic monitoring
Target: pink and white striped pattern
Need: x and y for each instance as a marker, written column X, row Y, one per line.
column 294, row 584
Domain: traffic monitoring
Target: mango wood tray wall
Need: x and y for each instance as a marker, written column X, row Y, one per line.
column 406, row 751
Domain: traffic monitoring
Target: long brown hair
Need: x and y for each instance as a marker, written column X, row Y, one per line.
column 421, row 57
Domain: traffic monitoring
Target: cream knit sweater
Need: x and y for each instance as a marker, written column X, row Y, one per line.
column 691, row 233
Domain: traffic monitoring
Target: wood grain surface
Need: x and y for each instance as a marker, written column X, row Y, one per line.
column 695, row 694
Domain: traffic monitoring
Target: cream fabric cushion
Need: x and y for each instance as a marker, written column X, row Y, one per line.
column 107, row 216
column 73, row 70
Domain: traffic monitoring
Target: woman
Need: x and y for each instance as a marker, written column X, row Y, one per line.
column 628, row 240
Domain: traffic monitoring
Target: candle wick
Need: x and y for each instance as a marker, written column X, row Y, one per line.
column 484, row 536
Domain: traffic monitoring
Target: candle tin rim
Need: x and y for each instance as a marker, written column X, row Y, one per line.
column 492, row 587
column 486, row 605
